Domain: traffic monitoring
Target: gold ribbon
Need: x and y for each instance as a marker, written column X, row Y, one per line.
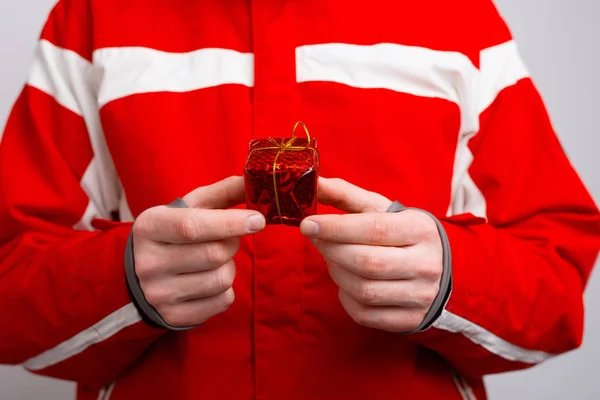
column 282, row 148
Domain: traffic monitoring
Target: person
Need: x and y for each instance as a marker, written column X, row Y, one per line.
column 453, row 238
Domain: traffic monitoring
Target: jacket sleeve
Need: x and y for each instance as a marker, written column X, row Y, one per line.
column 64, row 305
column 524, row 232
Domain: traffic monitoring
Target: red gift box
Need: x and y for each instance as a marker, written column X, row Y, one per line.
column 281, row 178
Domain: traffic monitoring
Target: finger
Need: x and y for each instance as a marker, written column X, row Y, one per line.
column 196, row 257
column 203, row 284
column 350, row 198
column 176, row 289
column 383, row 229
column 195, row 312
column 373, row 262
column 392, row 319
column 155, row 262
column 224, row 194
column 193, row 225
column 370, row 292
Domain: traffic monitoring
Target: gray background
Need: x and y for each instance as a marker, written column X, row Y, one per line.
column 559, row 41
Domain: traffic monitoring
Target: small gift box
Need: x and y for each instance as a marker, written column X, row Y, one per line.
column 281, row 178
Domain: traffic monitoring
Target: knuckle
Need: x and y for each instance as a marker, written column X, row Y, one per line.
column 426, row 296
column 367, row 293
column 146, row 265
column 230, row 227
column 410, row 221
column 363, row 318
column 426, row 225
column 222, row 280
column 216, row 282
column 216, row 253
column 431, row 268
column 143, row 225
column 378, row 231
column 430, row 232
column 156, row 295
column 188, row 229
column 411, row 321
column 227, row 300
column 175, row 316
column 335, row 233
column 371, row 264
column 228, row 277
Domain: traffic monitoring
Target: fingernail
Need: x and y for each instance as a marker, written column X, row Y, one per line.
column 310, row 228
column 256, row 223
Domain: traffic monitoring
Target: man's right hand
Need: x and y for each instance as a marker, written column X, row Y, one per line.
column 184, row 256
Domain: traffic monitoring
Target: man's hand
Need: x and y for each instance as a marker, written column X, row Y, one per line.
column 184, row 257
column 388, row 265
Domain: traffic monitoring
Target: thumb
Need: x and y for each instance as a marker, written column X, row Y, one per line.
column 224, row 194
column 350, row 198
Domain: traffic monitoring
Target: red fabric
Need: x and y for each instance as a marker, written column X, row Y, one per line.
column 519, row 274
column 522, row 274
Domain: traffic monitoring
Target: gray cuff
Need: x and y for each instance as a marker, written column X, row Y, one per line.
column 440, row 301
column 146, row 310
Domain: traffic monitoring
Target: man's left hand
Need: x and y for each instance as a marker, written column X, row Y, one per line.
column 388, row 265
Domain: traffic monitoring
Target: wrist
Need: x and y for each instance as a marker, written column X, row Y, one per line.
column 445, row 289
column 148, row 313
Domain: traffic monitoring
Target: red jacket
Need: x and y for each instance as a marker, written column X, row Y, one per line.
column 130, row 104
